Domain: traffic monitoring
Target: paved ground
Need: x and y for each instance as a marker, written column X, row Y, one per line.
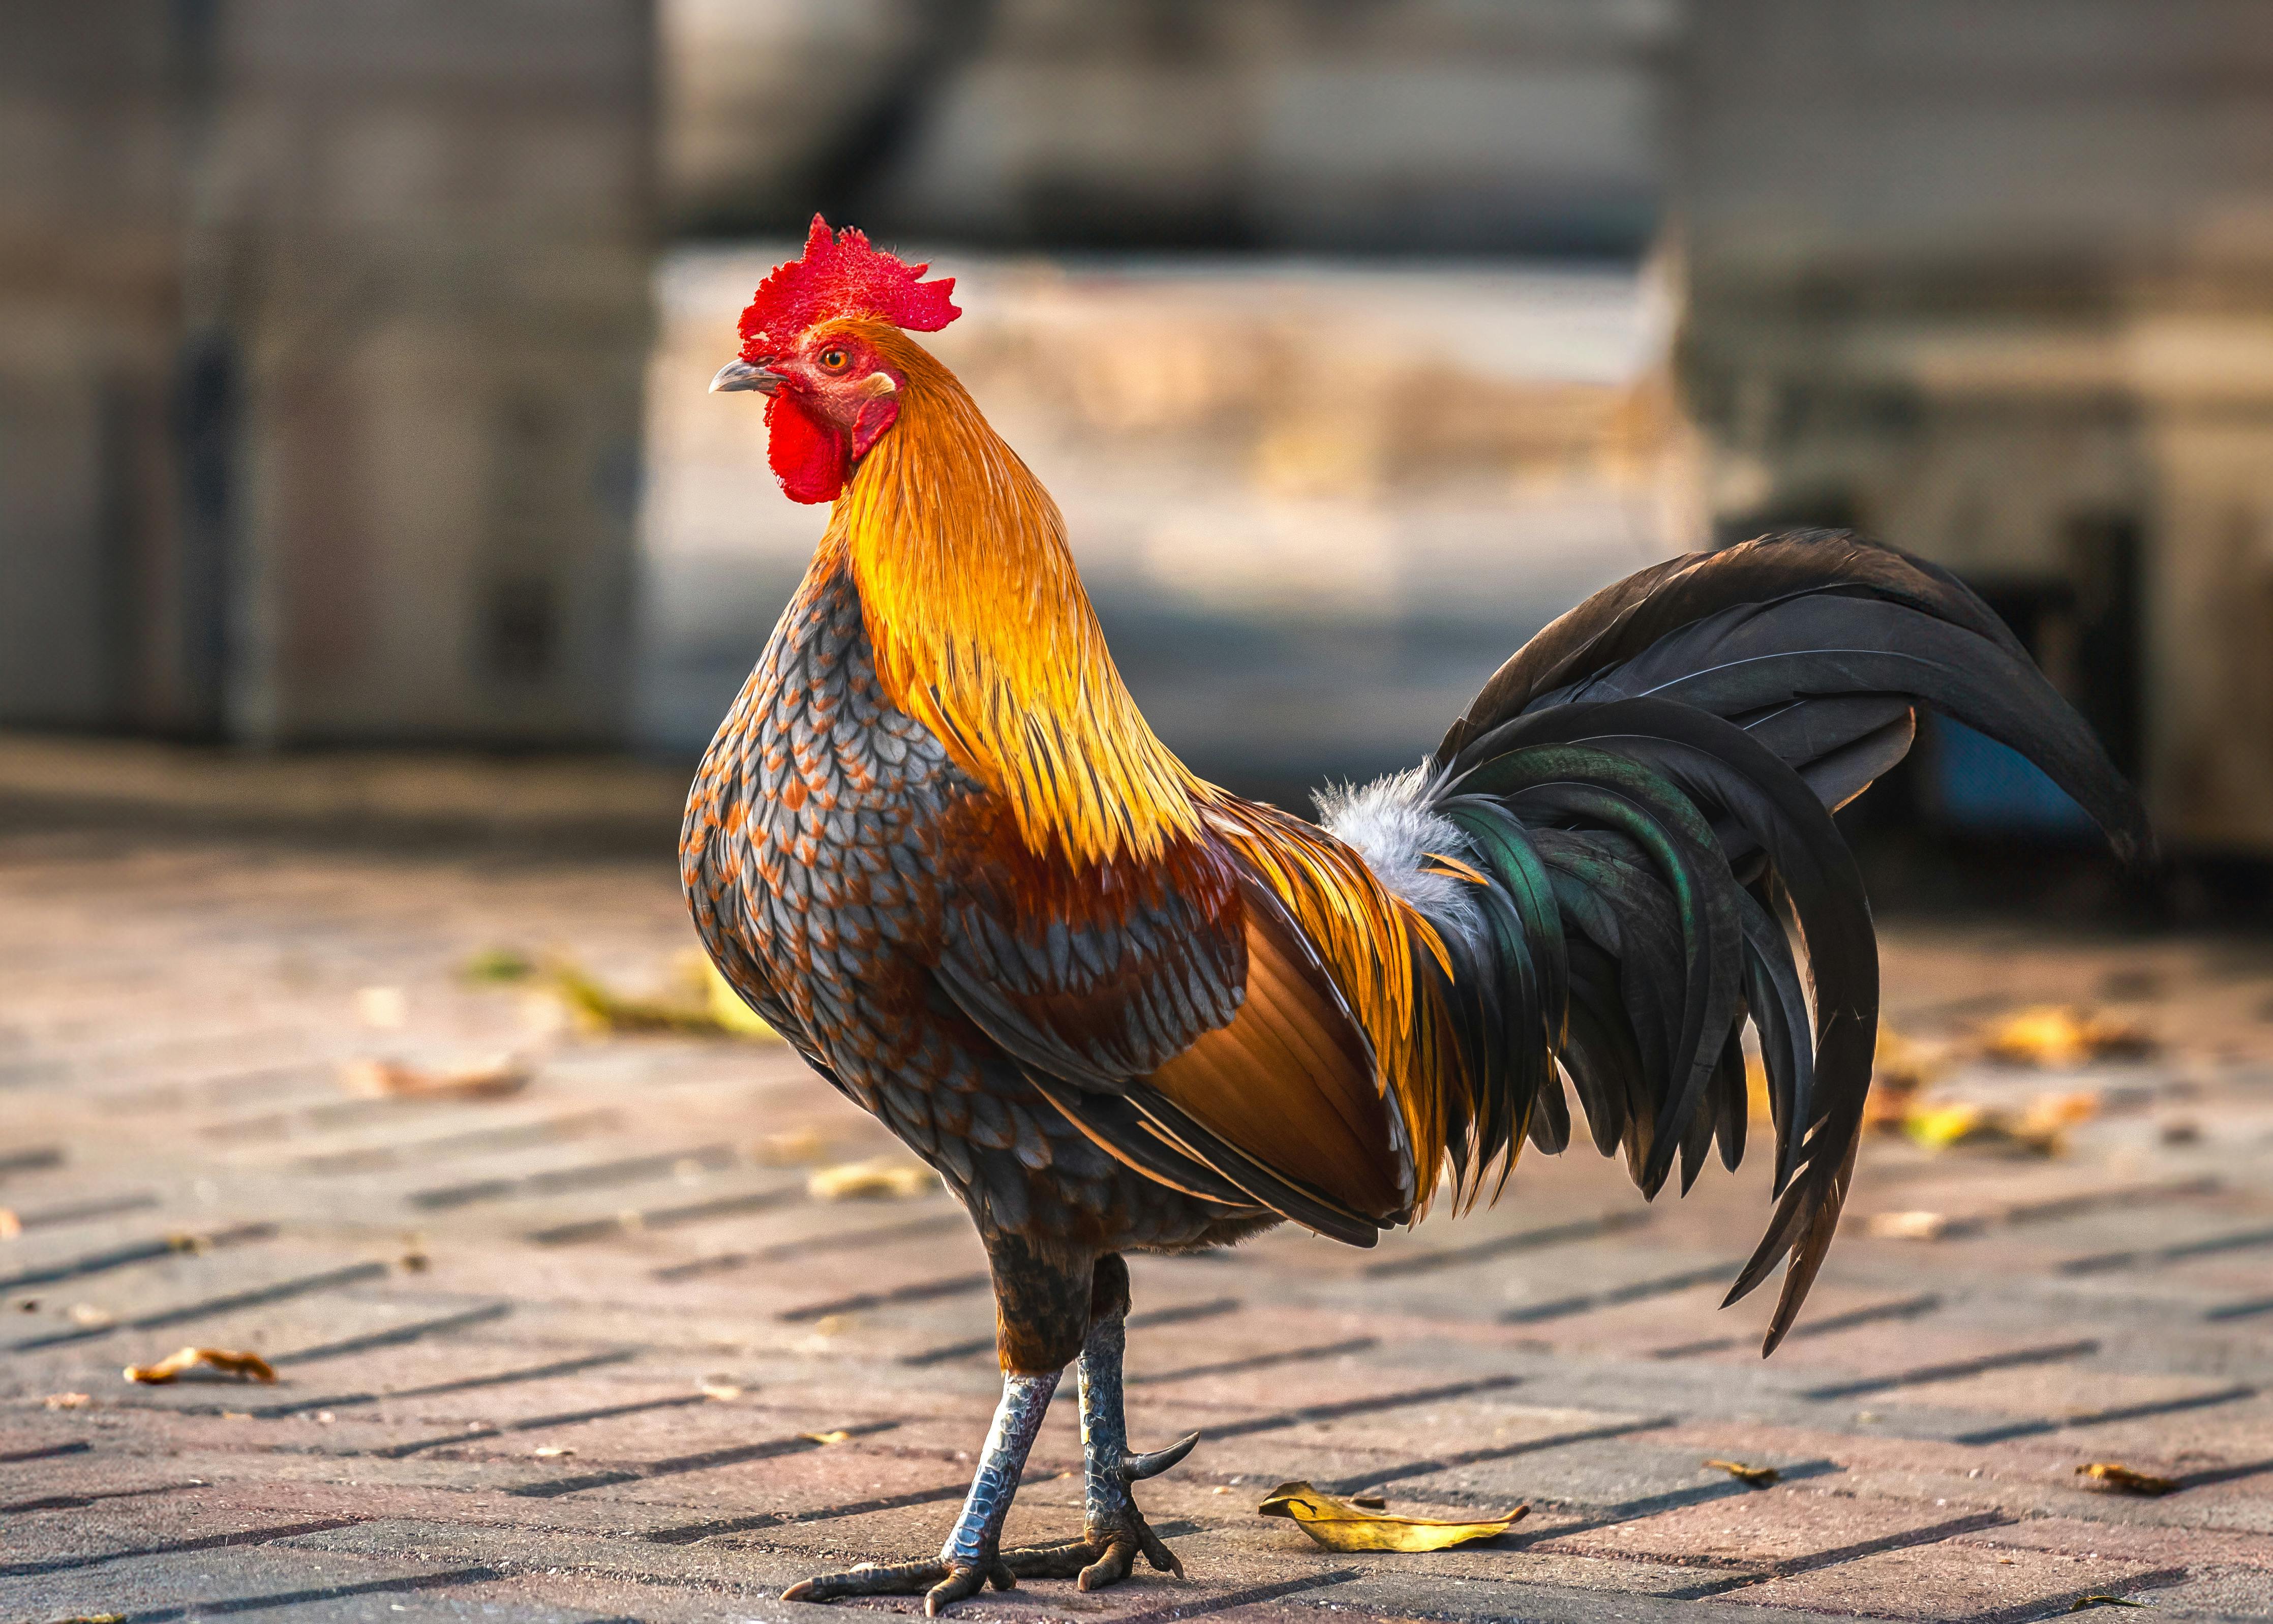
column 591, row 1352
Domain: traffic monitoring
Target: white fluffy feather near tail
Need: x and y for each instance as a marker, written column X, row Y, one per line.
column 1391, row 824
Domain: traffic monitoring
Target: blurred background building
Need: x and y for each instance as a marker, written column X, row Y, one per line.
column 1996, row 284
column 351, row 352
column 321, row 336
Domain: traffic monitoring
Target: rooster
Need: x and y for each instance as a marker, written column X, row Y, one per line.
column 1118, row 1008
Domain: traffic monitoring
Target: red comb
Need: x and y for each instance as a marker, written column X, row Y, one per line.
column 841, row 275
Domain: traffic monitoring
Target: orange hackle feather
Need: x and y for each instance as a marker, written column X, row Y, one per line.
column 982, row 631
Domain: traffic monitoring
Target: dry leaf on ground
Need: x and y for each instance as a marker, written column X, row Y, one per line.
column 727, row 1011
column 10, row 1225
column 381, row 1079
column 494, row 966
column 1902, row 1069
column 791, row 1149
column 879, row 1178
column 835, row 1435
column 2056, row 1035
column 702, row 1004
column 1338, row 1525
column 244, row 1366
column 724, row 1392
column 67, row 1401
column 595, row 1008
column 2123, row 1480
column 1939, row 1126
column 2040, row 1130
column 1758, row 1476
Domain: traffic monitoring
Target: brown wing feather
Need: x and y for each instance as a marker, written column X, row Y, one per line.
column 1291, row 1082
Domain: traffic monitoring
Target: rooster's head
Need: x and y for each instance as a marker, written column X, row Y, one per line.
column 810, row 343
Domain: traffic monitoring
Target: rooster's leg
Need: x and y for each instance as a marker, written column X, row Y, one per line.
column 970, row 1556
column 1114, row 1530
column 1044, row 1303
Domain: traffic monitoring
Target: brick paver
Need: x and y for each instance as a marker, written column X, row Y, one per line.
column 591, row 1352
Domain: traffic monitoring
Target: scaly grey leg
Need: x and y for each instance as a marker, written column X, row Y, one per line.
column 1115, row 1529
column 978, row 1533
column 971, row 1555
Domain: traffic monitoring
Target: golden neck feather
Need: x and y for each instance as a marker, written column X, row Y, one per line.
column 982, row 632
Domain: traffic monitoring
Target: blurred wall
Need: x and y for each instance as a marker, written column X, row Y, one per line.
column 1409, row 125
column 322, row 325
column 1996, row 282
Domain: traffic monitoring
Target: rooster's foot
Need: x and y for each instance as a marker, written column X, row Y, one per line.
column 1105, row 1557
column 940, row 1584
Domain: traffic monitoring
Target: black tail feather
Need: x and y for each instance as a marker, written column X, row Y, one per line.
column 1648, row 788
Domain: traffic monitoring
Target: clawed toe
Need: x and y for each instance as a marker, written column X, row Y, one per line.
column 1107, row 1558
column 1110, row 1568
column 940, row 1584
column 1157, row 1553
column 1058, row 1561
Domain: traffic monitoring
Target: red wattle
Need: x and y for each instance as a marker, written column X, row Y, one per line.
column 809, row 457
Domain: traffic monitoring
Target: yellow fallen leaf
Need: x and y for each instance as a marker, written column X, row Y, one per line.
column 792, row 1147
column 835, row 1435
column 727, row 1009
column 722, row 1391
column 702, row 1004
column 67, row 1401
column 2123, row 1480
column 595, row 1008
column 879, row 1178
column 1908, row 1226
column 247, row 1366
column 384, row 1080
column 1906, row 1061
column 552, row 1452
column 1939, row 1126
column 1338, row 1525
column 1759, row 1476
column 2064, row 1035
column 495, row 965
column 2041, row 1130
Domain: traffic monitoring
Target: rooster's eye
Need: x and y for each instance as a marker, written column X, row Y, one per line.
column 833, row 359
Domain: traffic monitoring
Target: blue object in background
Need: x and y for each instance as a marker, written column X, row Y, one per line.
column 1984, row 787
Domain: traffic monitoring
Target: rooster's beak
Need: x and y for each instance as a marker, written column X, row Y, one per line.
column 742, row 375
